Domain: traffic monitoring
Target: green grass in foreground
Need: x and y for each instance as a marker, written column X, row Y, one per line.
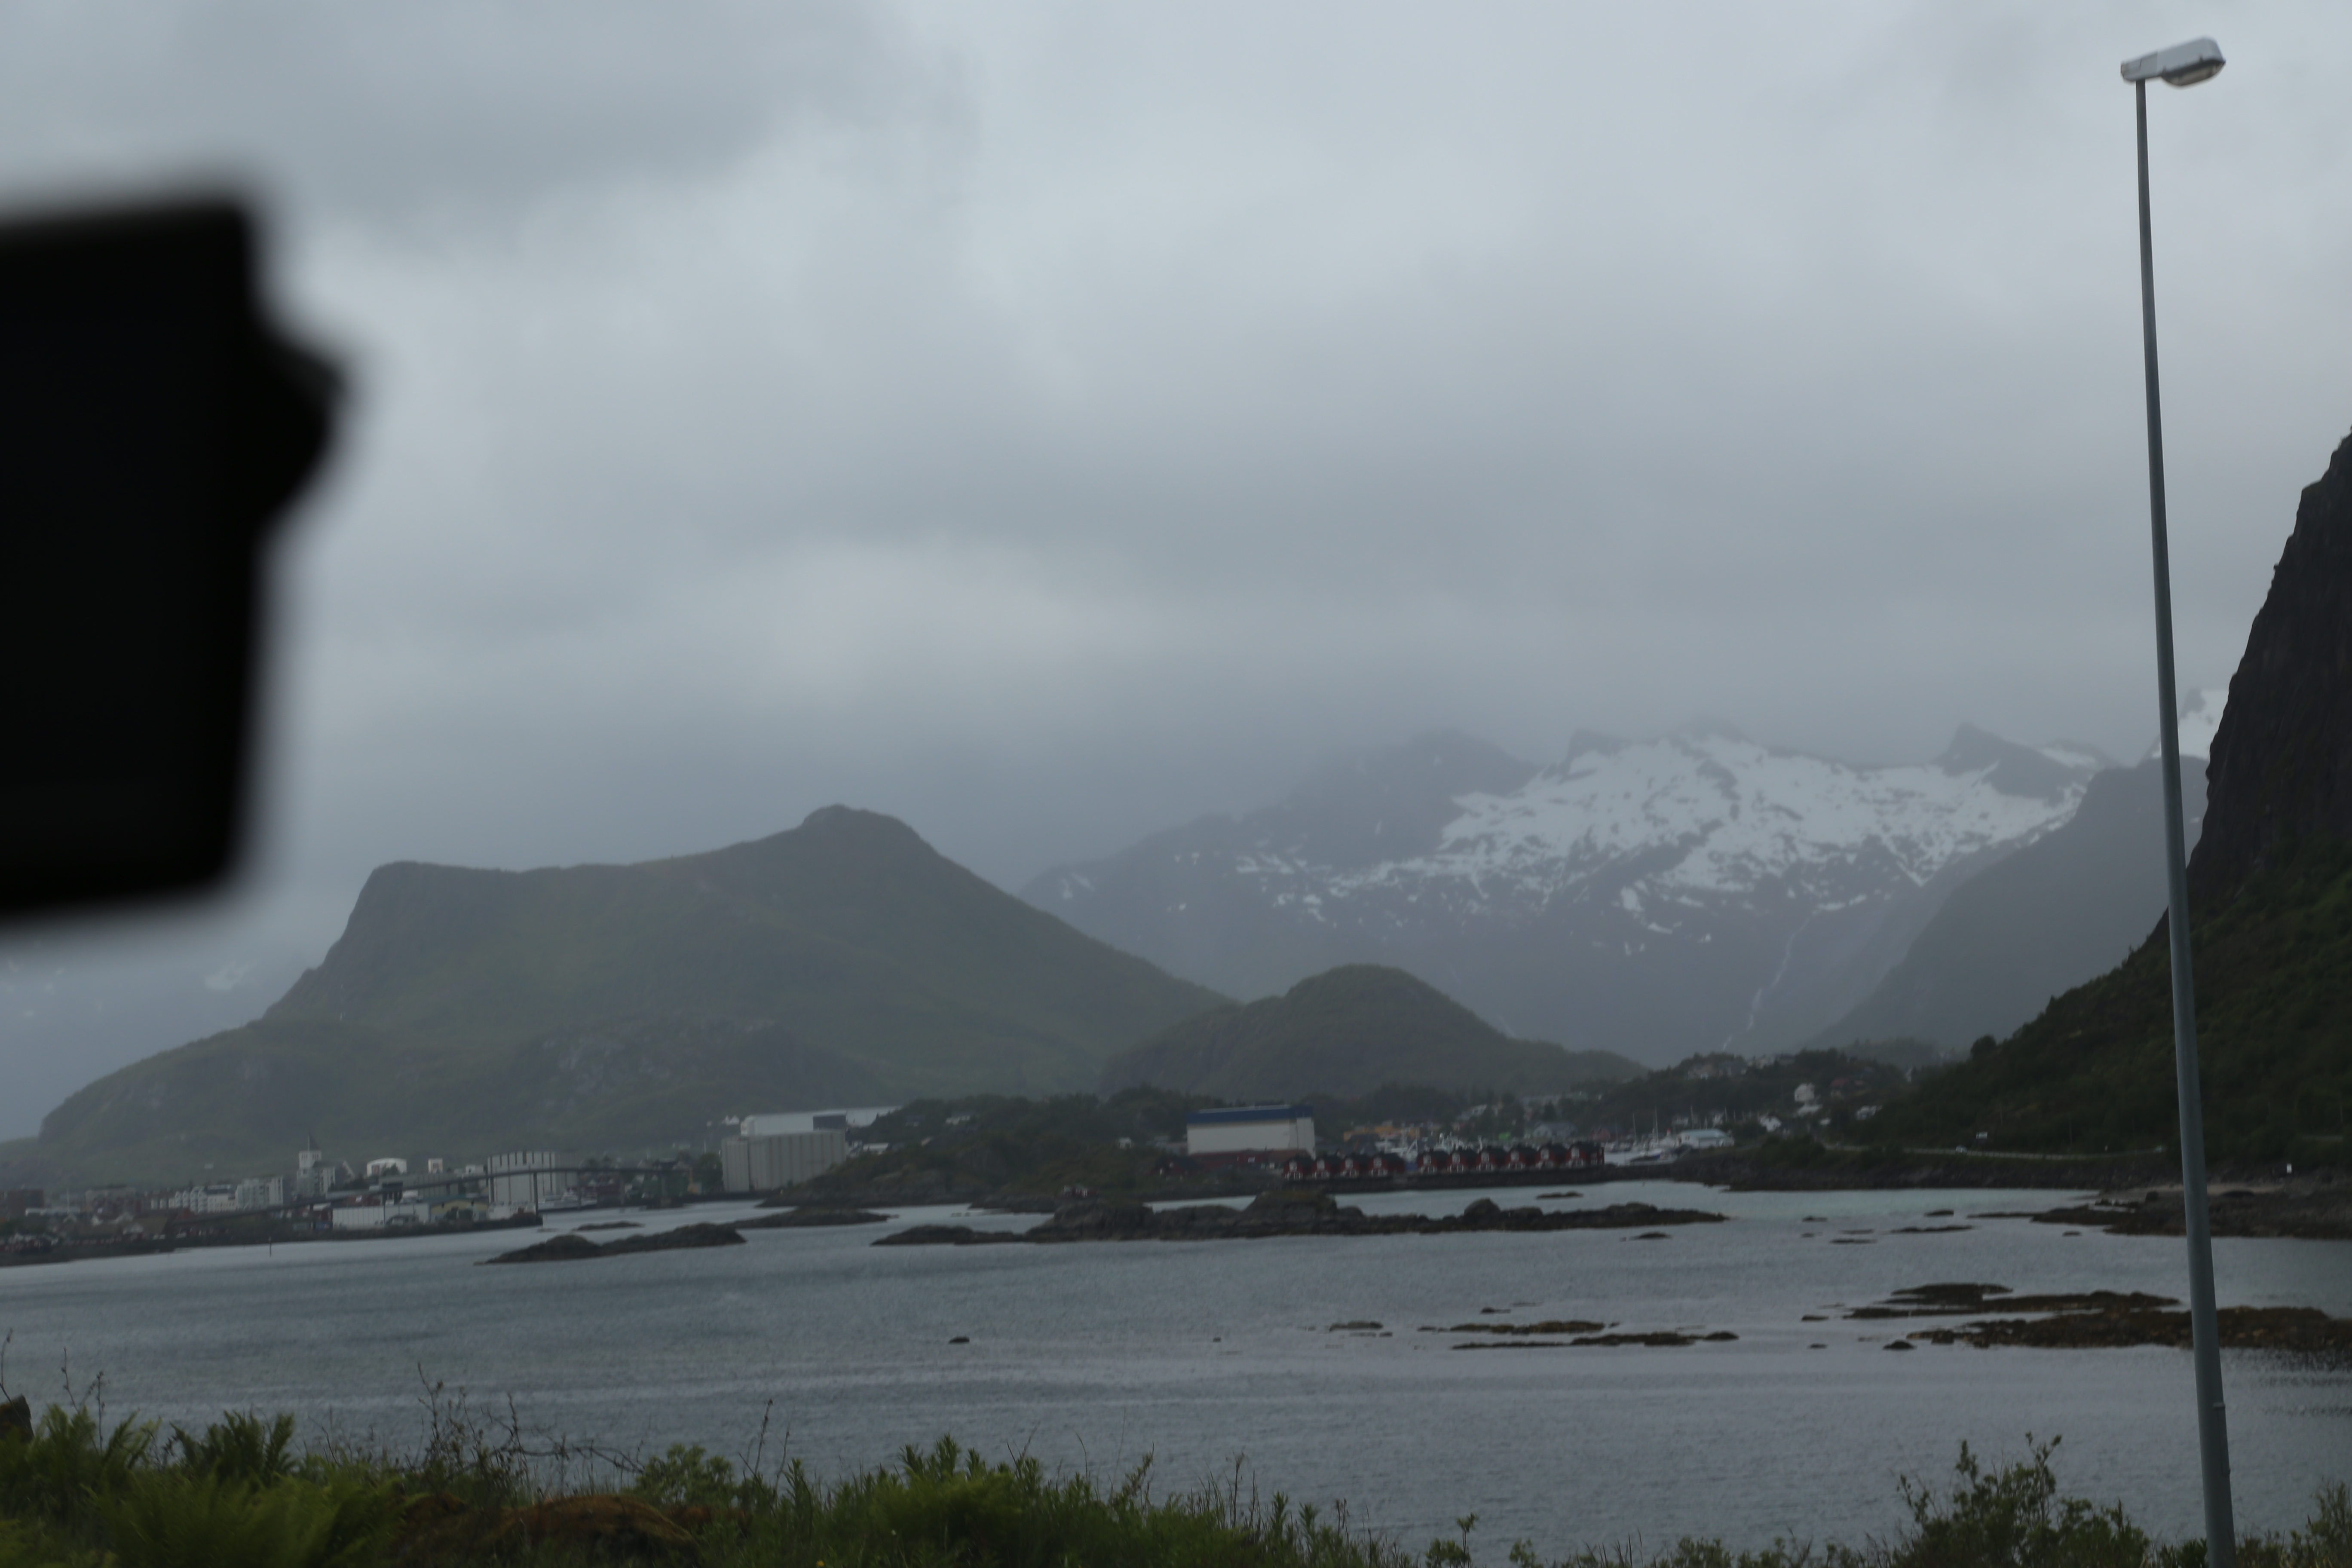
column 239, row 1492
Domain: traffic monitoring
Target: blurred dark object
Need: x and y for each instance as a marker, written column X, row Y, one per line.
column 153, row 425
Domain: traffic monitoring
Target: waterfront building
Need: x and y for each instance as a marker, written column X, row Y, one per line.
column 212, row 1198
column 314, row 1176
column 1249, row 1130
column 408, row 1208
column 261, row 1193
column 365, row 1212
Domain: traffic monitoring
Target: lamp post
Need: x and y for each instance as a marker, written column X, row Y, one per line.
column 2183, row 64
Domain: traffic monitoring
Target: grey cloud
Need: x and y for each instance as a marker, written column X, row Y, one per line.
column 1048, row 423
column 442, row 113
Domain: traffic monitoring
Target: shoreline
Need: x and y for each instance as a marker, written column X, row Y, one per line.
column 2127, row 1195
column 83, row 1252
column 1284, row 1212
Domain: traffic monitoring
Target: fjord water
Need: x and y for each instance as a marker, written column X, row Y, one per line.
column 1202, row 1355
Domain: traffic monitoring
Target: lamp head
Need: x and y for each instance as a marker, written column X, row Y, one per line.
column 2183, row 64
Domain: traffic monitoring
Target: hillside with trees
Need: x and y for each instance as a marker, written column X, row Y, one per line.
column 1345, row 1033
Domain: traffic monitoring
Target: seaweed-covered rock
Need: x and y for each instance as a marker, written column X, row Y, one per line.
column 945, row 1236
column 702, row 1233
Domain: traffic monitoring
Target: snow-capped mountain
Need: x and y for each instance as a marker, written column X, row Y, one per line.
column 1697, row 891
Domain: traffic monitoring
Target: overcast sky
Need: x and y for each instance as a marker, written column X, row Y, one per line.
column 1048, row 423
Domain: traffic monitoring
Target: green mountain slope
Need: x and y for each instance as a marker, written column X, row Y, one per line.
column 618, row 1007
column 2094, row 1072
column 1344, row 1033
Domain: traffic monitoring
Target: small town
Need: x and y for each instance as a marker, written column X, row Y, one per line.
column 327, row 1197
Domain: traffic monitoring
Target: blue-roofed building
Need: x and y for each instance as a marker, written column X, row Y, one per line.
column 1249, row 1130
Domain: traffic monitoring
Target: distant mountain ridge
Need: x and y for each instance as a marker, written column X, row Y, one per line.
column 2063, row 909
column 596, row 1006
column 1344, row 1033
column 1692, row 892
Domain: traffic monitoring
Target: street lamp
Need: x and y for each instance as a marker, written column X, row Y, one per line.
column 2183, row 64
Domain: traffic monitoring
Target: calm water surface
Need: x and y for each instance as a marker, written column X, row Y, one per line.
column 1205, row 1354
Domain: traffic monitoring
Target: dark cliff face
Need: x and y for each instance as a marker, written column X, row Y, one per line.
column 2281, row 762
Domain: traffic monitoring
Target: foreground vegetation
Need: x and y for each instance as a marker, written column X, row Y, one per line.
column 75, row 1491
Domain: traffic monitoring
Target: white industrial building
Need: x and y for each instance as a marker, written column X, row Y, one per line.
column 233, row 1197
column 1250, row 1130
column 847, row 1118
column 763, row 1162
column 261, row 1193
column 359, row 1214
column 212, row 1197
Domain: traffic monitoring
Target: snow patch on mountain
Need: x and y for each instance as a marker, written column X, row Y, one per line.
column 1737, row 816
column 1694, row 817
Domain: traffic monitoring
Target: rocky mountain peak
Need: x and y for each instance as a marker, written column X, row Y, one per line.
column 2013, row 769
column 2282, row 758
column 847, row 821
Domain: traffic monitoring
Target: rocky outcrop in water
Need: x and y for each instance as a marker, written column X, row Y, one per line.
column 1288, row 1211
column 572, row 1245
column 2307, row 1208
column 2101, row 1319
